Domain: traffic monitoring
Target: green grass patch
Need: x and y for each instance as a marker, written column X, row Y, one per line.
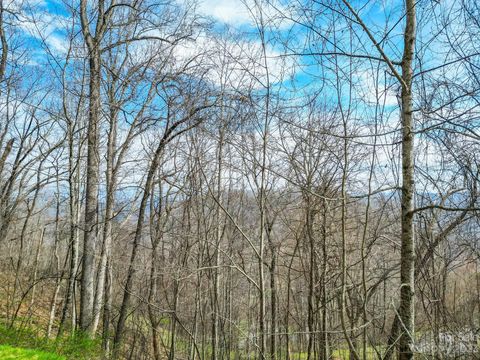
column 341, row 354
column 345, row 353
column 75, row 347
column 11, row 353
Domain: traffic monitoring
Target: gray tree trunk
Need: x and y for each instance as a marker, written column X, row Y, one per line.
column 407, row 267
column 87, row 291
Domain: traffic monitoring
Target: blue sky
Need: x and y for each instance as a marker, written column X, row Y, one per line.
column 233, row 14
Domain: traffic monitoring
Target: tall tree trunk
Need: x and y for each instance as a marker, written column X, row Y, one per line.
column 309, row 218
column 73, row 241
column 324, row 336
column 107, row 309
column 91, row 193
column 407, row 275
column 173, row 329
column 273, row 307
column 110, row 175
column 53, row 302
column 3, row 40
column 154, row 322
column 87, row 291
column 218, row 236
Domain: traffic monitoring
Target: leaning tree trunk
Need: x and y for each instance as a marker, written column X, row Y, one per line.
column 122, row 317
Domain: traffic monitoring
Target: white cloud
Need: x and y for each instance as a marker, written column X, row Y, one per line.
column 234, row 63
column 232, row 12
column 244, row 12
column 57, row 44
column 45, row 27
column 16, row 5
column 372, row 93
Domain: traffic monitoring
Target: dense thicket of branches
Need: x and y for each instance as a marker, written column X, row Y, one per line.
column 301, row 186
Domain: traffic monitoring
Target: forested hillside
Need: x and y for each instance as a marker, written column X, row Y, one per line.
column 239, row 179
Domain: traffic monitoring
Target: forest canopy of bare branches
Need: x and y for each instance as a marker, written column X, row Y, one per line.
column 240, row 179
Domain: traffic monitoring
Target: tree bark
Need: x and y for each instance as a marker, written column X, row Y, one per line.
column 407, row 266
column 87, row 292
